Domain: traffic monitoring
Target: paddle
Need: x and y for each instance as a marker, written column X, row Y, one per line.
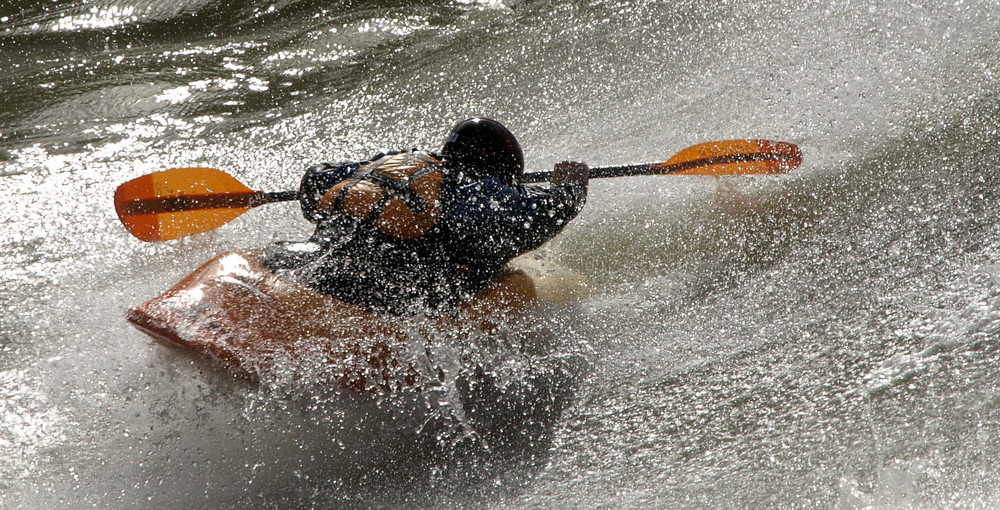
column 184, row 201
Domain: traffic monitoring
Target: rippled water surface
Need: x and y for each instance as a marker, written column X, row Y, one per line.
column 824, row 339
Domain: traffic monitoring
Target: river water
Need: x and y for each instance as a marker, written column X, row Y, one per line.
column 823, row 339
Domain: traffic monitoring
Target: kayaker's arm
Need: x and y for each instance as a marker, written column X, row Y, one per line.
column 317, row 180
column 493, row 221
column 571, row 172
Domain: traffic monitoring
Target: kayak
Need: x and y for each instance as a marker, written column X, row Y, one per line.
column 240, row 316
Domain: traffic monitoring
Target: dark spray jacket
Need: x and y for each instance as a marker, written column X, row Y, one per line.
column 483, row 224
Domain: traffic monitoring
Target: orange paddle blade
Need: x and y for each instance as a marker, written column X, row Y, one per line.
column 181, row 201
column 735, row 157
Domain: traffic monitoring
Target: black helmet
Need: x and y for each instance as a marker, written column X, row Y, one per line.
column 485, row 147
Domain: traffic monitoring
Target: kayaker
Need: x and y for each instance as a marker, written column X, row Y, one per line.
column 418, row 232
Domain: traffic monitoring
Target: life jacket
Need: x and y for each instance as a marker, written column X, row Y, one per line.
column 398, row 194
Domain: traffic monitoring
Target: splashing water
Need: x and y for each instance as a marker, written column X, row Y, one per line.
column 821, row 339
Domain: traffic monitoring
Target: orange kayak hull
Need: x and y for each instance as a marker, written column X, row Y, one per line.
column 246, row 319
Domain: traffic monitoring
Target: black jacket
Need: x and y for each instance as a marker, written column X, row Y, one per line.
column 483, row 225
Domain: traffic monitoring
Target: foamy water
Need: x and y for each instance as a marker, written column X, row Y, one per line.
column 822, row 339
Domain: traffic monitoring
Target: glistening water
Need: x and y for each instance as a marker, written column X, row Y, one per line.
column 823, row 339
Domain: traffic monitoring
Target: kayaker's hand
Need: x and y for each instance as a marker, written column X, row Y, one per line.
column 571, row 172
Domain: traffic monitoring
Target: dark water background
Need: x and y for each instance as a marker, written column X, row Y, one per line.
column 826, row 339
